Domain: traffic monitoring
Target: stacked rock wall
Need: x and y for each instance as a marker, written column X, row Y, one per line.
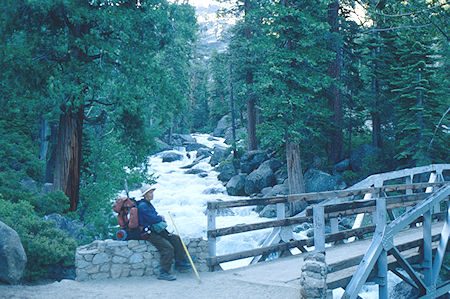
column 113, row 259
column 313, row 277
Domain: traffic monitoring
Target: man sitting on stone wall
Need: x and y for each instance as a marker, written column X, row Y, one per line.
column 169, row 245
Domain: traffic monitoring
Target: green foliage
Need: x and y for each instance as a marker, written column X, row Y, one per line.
column 43, row 244
column 54, row 202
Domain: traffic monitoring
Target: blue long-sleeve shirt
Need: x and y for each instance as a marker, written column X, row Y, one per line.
column 147, row 214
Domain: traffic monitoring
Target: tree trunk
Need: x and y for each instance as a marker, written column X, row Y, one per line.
column 375, row 114
column 233, row 116
column 50, row 167
column 295, row 175
column 68, row 156
column 251, row 111
column 335, row 146
column 44, row 135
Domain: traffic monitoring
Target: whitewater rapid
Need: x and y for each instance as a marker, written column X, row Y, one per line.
column 185, row 197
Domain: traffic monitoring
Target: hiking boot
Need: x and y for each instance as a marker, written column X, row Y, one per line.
column 163, row 275
column 182, row 266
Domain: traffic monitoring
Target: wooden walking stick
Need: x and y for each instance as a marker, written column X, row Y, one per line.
column 185, row 249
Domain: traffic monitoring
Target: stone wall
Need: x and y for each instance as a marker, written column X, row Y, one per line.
column 313, row 277
column 104, row 259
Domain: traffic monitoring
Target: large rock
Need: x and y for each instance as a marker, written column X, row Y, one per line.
column 316, row 181
column 226, row 173
column 222, row 126
column 193, row 146
column 360, row 154
column 12, row 255
column 236, row 185
column 29, row 185
column 171, row 156
column 179, row 139
column 280, row 189
column 342, row 166
column 161, row 145
column 252, row 160
column 218, row 155
column 203, row 153
column 259, row 179
column 72, row 228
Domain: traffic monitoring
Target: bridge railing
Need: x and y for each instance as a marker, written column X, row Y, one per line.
column 383, row 245
column 316, row 216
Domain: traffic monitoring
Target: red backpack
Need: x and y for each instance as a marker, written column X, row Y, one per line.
column 127, row 218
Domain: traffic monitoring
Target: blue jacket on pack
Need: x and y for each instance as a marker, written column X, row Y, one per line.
column 147, row 214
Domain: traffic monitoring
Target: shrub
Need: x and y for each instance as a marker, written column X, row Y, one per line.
column 43, row 244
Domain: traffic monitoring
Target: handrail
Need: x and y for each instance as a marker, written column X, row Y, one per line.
column 370, row 180
column 315, row 197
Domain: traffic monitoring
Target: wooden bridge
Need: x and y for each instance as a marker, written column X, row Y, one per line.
column 400, row 223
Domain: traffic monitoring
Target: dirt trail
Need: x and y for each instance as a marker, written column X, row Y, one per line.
column 244, row 284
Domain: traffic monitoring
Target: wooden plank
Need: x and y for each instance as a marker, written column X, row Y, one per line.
column 256, row 226
column 319, row 228
column 212, row 261
column 315, row 196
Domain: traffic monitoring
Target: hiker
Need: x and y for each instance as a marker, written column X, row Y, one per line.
column 169, row 245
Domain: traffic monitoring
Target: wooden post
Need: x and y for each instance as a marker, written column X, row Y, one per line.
column 334, row 225
column 319, row 228
column 427, row 250
column 380, row 220
column 211, row 241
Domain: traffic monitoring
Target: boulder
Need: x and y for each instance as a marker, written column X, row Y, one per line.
column 29, row 185
column 280, row 189
column 259, row 179
column 360, row 154
column 171, row 156
column 316, row 181
column 229, row 135
column 214, row 191
column 47, row 188
column 226, row 173
column 218, row 155
column 183, row 138
column 12, row 255
column 403, row 290
column 193, row 146
column 72, row 228
column 236, row 185
column 161, row 145
column 203, row 153
column 252, row 160
column 223, row 124
column 196, row 171
column 342, row 166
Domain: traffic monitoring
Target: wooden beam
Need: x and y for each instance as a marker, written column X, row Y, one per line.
column 315, row 196
column 212, row 261
column 256, row 226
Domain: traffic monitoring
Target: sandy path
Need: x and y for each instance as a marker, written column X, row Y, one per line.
column 214, row 286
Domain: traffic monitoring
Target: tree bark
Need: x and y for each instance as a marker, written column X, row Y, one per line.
column 295, row 175
column 336, row 144
column 251, row 111
column 375, row 114
column 44, row 135
column 68, row 156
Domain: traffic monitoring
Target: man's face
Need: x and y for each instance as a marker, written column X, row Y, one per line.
column 149, row 195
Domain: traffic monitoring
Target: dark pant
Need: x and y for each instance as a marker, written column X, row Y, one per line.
column 168, row 245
